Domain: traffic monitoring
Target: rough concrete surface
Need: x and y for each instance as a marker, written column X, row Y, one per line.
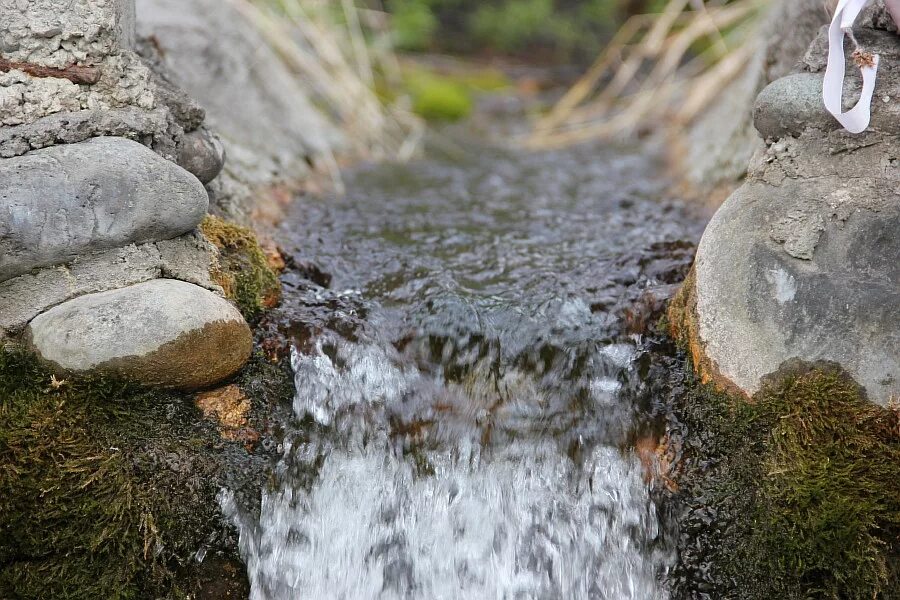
column 142, row 126
column 188, row 258
column 58, row 34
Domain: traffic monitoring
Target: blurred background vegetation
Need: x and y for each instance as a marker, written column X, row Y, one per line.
column 580, row 70
column 537, row 30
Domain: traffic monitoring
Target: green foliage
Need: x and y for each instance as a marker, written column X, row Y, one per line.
column 86, row 510
column 514, row 24
column 413, row 24
column 562, row 29
column 805, row 483
column 438, row 98
column 244, row 271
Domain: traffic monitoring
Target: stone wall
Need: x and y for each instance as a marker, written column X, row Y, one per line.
column 271, row 131
column 102, row 170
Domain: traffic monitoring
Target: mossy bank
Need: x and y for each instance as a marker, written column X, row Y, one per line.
column 243, row 270
column 793, row 493
column 108, row 489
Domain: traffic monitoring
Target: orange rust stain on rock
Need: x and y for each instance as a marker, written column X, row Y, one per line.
column 229, row 407
column 684, row 328
column 658, row 458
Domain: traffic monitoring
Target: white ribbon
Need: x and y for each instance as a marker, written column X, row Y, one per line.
column 856, row 120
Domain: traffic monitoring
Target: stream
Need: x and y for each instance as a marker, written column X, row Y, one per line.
column 473, row 407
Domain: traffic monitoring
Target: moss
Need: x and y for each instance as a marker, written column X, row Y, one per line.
column 106, row 489
column 793, row 495
column 438, row 98
column 244, row 271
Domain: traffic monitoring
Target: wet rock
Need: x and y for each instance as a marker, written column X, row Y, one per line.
column 188, row 258
column 163, row 332
column 63, row 201
column 229, row 407
column 201, row 154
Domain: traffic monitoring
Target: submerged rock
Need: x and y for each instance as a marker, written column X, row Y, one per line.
column 59, row 202
column 162, row 332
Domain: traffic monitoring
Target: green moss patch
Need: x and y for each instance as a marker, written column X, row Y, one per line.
column 438, row 98
column 244, row 271
column 793, row 495
column 107, row 490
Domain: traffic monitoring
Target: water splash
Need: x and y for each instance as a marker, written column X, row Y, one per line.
column 463, row 426
column 519, row 521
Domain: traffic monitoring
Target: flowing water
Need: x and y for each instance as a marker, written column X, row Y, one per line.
column 470, row 389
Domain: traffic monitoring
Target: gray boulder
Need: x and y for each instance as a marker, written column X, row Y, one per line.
column 816, row 280
column 103, row 193
column 803, row 261
column 162, row 332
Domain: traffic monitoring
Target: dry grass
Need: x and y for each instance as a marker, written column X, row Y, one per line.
column 660, row 69
column 340, row 52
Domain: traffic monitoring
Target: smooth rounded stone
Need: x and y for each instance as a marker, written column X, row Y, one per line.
column 163, row 332
column 201, row 154
column 790, row 105
column 808, row 270
column 64, row 201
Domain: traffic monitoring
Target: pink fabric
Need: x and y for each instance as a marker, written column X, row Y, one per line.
column 894, row 7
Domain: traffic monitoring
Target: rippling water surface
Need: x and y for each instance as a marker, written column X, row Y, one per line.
column 469, row 386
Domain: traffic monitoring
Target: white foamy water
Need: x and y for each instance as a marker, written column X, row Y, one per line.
column 513, row 520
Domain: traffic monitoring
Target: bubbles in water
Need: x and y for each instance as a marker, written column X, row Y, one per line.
column 518, row 520
column 525, row 523
column 338, row 375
